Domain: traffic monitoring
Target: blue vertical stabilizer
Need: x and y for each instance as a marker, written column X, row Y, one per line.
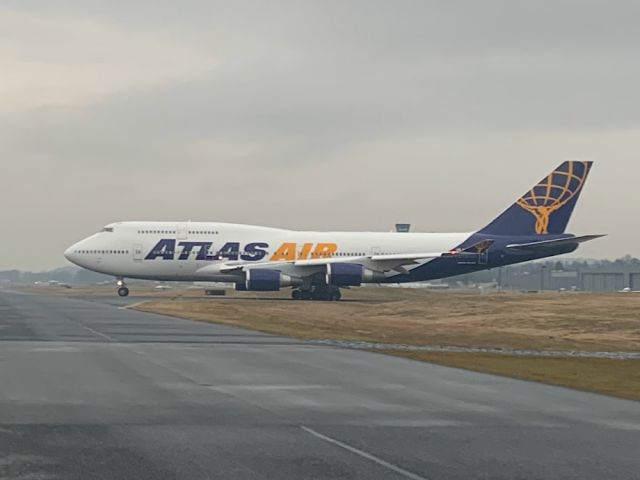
column 547, row 207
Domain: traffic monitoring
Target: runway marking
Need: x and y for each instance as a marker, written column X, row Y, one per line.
column 363, row 454
column 133, row 305
column 272, row 387
column 619, row 425
column 414, row 423
column 95, row 332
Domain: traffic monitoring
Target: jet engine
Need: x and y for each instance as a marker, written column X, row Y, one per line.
column 264, row 279
column 351, row 274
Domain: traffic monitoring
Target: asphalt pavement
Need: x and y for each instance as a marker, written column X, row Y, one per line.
column 92, row 390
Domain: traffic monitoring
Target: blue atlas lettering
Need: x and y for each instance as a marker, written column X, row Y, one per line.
column 254, row 251
column 188, row 247
column 164, row 249
column 229, row 251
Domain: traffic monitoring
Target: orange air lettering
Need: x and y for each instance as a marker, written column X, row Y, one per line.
column 304, row 252
column 286, row 251
column 324, row 250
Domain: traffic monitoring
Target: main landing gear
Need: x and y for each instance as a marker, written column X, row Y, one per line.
column 317, row 293
column 123, row 291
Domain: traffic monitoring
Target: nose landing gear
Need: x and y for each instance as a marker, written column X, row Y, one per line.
column 123, row 291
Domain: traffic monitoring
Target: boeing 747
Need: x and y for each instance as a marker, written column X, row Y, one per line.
column 315, row 265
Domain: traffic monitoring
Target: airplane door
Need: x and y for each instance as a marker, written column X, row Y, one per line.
column 137, row 251
column 181, row 231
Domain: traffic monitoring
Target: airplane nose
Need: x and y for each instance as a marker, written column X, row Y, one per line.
column 69, row 253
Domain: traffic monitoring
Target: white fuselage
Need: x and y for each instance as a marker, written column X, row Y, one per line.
column 192, row 251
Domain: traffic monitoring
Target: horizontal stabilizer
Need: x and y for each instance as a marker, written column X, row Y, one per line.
column 553, row 243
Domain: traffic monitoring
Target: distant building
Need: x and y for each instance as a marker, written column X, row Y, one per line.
column 588, row 280
column 603, row 281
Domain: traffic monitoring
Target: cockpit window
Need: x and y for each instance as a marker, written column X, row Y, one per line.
column 107, row 229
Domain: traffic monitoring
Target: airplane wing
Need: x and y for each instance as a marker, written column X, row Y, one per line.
column 400, row 257
column 543, row 244
column 377, row 262
column 395, row 262
column 380, row 263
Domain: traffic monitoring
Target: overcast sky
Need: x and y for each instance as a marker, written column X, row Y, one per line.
column 346, row 115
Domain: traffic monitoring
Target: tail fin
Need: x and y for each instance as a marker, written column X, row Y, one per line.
column 547, row 207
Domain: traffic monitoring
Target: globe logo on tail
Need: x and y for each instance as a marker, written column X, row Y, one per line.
column 554, row 192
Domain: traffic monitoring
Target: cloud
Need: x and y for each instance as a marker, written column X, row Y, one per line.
column 318, row 115
column 53, row 61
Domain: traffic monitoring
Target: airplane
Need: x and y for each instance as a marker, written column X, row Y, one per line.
column 315, row 265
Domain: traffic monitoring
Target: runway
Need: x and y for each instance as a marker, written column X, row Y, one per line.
column 89, row 389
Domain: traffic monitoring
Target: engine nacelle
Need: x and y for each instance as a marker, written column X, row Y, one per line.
column 266, row 280
column 351, row 274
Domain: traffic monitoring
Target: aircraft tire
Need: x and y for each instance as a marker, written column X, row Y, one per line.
column 296, row 295
column 123, row 291
column 322, row 295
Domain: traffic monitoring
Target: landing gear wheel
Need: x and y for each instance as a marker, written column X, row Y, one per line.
column 335, row 295
column 123, row 291
column 322, row 295
column 296, row 295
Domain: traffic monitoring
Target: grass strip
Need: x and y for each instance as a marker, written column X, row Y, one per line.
column 620, row 378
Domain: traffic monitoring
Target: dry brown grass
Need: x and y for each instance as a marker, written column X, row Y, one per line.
column 620, row 378
column 592, row 322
